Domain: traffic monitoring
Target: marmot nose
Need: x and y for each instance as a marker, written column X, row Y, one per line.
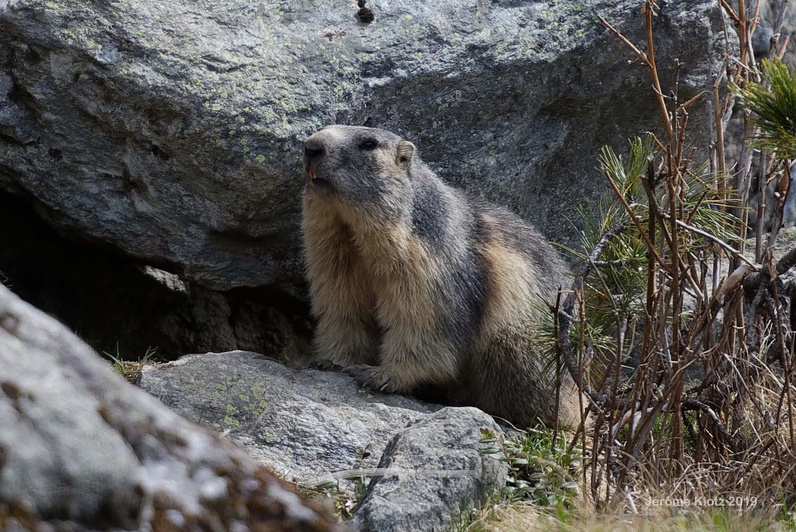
column 314, row 149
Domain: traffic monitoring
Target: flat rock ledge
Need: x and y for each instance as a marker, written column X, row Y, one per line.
column 426, row 462
column 82, row 449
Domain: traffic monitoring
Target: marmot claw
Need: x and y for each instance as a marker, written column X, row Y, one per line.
column 324, row 365
column 372, row 377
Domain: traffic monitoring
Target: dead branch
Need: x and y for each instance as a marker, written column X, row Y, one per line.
column 564, row 316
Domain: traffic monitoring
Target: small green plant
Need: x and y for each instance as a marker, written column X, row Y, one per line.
column 773, row 101
column 542, row 470
column 344, row 502
column 130, row 369
column 787, row 516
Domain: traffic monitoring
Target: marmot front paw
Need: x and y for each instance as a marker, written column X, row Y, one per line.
column 373, row 377
column 324, row 365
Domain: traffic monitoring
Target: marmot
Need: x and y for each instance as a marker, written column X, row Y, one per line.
column 417, row 287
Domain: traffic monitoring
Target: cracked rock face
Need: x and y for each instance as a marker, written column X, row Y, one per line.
column 172, row 130
column 434, row 473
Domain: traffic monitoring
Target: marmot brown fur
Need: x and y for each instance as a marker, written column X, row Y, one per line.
column 417, row 287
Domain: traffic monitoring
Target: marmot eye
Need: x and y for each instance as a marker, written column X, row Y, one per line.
column 368, row 145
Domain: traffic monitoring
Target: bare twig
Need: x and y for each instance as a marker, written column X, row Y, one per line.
column 692, row 404
column 636, row 221
column 656, row 82
column 777, row 29
column 785, row 263
column 564, row 317
column 641, row 55
column 719, row 125
column 734, row 252
column 731, row 12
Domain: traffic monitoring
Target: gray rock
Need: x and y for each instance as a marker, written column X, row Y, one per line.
column 80, row 448
column 304, row 424
column 172, row 130
column 432, row 474
column 314, row 427
column 55, row 457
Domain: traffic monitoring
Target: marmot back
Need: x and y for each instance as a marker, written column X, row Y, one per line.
column 415, row 286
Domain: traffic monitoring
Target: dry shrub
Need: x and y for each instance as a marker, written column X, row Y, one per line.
column 681, row 337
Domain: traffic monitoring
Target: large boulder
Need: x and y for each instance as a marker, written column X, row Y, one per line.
column 426, row 464
column 81, row 449
column 304, row 424
column 172, row 130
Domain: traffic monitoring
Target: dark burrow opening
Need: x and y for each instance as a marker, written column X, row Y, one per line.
column 125, row 308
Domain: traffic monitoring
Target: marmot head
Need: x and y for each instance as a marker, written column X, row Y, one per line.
column 358, row 165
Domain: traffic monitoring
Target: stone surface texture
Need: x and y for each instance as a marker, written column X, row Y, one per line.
column 432, row 474
column 304, row 424
column 80, row 448
column 426, row 464
column 173, row 130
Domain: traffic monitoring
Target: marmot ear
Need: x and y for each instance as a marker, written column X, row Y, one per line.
column 403, row 154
